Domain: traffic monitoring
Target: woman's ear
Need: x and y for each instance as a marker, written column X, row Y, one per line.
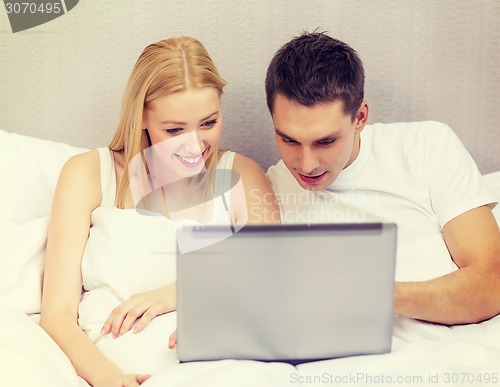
column 144, row 119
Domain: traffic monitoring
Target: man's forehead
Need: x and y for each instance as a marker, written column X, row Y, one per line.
column 282, row 99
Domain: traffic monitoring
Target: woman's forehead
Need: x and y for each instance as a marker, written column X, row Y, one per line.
column 185, row 105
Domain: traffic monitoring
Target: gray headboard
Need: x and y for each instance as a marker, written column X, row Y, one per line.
column 424, row 60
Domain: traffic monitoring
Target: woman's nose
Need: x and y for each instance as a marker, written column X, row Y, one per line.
column 194, row 143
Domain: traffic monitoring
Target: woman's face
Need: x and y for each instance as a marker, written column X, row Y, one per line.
column 184, row 128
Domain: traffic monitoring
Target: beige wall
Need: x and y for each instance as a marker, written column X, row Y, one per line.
column 424, row 60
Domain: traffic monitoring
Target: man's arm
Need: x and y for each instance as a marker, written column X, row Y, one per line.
column 470, row 294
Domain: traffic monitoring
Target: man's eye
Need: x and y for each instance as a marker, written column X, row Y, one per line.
column 173, row 130
column 288, row 141
column 209, row 124
column 325, row 142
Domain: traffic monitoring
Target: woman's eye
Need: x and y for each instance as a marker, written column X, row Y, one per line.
column 173, row 130
column 209, row 124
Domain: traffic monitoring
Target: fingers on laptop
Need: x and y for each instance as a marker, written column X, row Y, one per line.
column 172, row 340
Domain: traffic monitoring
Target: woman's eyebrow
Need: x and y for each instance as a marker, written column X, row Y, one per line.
column 185, row 123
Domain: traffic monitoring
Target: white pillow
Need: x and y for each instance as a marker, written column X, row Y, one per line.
column 29, row 168
column 22, row 252
column 29, row 357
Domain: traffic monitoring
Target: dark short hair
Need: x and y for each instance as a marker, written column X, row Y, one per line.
column 315, row 68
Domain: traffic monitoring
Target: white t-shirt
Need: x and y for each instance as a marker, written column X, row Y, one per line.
column 418, row 175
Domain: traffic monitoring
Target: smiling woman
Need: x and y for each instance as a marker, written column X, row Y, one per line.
column 163, row 160
column 155, row 100
column 190, row 123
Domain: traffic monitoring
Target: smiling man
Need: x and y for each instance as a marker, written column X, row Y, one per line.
column 336, row 168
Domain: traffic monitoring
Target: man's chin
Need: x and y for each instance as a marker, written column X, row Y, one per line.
column 320, row 186
column 307, row 187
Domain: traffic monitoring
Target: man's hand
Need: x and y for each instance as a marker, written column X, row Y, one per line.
column 470, row 294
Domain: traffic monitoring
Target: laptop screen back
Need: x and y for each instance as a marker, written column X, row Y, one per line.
column 285, row 292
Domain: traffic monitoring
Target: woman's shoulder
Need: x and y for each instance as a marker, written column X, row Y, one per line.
column 244, row 164
column 259, row 202
column 249, row 170
column 87, row 163
column 81, row 175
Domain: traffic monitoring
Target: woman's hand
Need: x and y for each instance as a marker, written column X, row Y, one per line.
column 130, row 380
column 143, row 307
column 172, row 340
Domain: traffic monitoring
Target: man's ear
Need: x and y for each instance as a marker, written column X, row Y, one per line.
column 361, row 117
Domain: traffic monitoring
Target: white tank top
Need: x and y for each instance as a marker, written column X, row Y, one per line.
column 128, row 252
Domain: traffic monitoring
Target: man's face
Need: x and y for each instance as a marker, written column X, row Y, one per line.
column 317, row 142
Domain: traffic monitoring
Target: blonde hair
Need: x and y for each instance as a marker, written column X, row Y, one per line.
column 163, row 68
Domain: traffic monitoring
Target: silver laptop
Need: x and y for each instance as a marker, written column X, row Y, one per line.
column 291, row 293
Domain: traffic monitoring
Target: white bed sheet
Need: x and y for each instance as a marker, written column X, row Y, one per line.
column 422, row 354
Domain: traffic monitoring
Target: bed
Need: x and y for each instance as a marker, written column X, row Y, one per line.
column 422, row 353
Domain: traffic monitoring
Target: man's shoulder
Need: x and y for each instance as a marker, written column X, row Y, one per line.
column 412, row 133
column 402, row 128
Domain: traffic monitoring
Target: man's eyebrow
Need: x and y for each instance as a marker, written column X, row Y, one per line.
column 330, row 136
column 184, row 123
column 281, row 134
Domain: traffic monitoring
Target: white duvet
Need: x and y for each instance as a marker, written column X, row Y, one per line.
column 422, row 354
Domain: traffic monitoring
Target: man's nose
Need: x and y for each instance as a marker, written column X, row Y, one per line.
column 309, row 161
